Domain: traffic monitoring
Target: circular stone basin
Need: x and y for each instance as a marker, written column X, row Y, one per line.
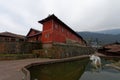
column 74, row 70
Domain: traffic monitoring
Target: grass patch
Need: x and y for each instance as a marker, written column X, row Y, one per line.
column 15, row 56
column 117, row 64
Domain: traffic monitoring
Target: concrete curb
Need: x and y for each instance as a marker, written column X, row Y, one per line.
column 113, row 66
column 26, row 74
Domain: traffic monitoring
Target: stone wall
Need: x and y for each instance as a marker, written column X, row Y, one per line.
column 63, row 51
column 19, row 47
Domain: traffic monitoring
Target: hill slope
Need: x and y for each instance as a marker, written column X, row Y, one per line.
column 111, row 31
column 99, row 37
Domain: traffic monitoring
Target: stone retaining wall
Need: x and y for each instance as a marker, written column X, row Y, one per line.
column 63, row 51
column 18, row 47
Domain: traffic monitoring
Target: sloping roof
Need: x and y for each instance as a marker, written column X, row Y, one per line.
column 34, row 35
column 37, row 32
column 59, row 21
column 9, row 34
column 115, row 47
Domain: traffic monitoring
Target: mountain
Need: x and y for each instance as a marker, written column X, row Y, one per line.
column 111, row 31
column 100, row 38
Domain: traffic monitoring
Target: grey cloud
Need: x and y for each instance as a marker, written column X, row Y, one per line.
column 80, row 15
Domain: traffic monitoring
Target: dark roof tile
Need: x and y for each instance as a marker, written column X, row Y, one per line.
column 9, row 34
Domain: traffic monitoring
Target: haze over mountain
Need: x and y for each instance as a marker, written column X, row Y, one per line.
column 111, row 31
column 102, row 37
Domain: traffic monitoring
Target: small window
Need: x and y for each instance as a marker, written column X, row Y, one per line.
column 47, row 36
column 62, row 29
column 6, row 39
column 67, row 33
column 56, row 26
column 12, row 39
column 17, row 39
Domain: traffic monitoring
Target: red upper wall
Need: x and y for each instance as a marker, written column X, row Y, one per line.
column 58, row 33
column 34, row 35
column 47, row 32
column 61, row 34
column 55, row 30
column 47, row 25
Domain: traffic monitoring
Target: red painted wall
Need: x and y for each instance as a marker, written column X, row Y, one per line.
column 47, row 32
column 58, row 34
column 55, row 32
column 36, row 38
column 61, row 34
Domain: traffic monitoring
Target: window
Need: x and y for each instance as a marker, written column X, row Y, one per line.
column 46, row 35
column 6, row 39
column 12, row 39
column 62, row 29
column 36, row 39
column 67, row 33
column 56, row 26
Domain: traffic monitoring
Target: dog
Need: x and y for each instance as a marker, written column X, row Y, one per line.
column 96, row 61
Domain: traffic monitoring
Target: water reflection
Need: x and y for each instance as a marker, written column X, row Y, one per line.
column 59, row 71
column 75, row 70
column 106, row 73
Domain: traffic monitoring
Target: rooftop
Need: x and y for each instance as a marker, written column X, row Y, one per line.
column 115, row 47
column 9, row 34
column 37, row 32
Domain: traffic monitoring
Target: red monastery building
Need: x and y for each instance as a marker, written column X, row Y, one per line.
column 34, row 35
column 54, row 31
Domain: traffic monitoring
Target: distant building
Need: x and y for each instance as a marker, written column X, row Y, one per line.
column 111, row 49
column 95, row 45
column 11, row 37
column 34, row 35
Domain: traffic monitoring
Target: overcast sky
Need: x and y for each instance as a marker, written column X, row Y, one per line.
column 18, row 16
